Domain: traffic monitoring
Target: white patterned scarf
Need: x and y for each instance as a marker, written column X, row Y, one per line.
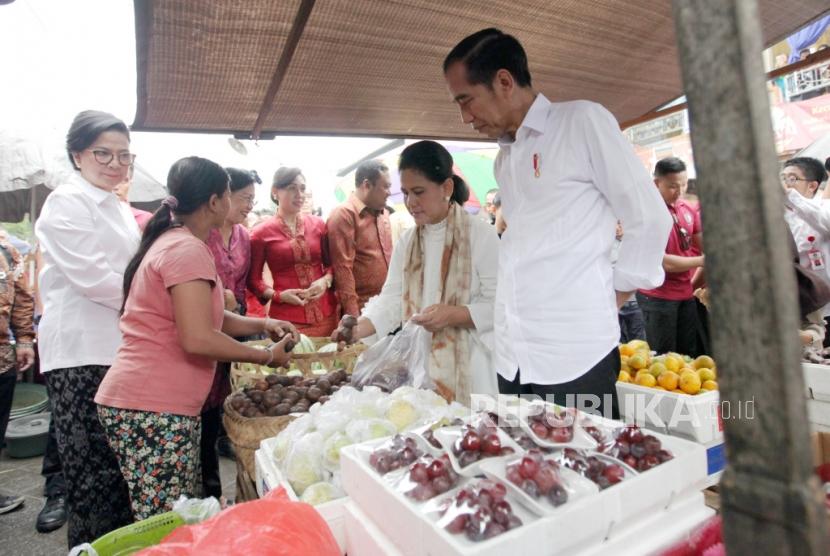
column 450, row 358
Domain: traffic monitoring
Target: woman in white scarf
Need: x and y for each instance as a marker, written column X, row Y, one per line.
column 442, row 275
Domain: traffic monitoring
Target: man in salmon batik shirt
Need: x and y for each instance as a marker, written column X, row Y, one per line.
column 360, row 238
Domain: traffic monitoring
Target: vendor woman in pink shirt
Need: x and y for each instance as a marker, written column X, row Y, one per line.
column 175, row 329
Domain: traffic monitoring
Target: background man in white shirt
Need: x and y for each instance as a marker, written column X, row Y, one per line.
column 808, row 216
column 566, row 175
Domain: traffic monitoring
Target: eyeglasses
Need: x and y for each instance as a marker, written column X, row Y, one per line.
column 791, row 179
column 104, row 157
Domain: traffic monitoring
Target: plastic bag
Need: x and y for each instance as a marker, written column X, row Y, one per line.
column 195, row 510
column 303, row 465
column 402, row 359
column 272, row 526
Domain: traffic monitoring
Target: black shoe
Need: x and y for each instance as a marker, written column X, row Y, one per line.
column 10, row 503
column 52, row 516
column 224, row 448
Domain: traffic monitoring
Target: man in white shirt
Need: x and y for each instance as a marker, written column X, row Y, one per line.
column 808, row 217
column 566, row 175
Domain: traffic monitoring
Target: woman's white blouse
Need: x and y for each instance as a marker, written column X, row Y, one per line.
column 87, row 237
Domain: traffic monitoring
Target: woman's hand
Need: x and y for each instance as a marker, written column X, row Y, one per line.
column 281, row 356
column 293, row 297
column 438, row 317
column 317, row 289
column 230, row 300
column 277, row 329
column 344, row 333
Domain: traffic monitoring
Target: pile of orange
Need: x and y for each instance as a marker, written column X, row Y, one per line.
column 671, row 372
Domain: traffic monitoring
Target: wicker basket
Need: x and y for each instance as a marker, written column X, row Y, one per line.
column 246, row 434
column 247, row 373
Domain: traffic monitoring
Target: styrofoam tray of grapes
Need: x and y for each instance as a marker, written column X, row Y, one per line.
column 693, row 417
column 659, row 487
column 649, row 490
column 412, row 528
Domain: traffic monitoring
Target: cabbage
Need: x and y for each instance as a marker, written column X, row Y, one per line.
column 401, row 413
column 369, row 429
column 305, row 345
column 331, row 450
column 320, row 493
column 328, row 348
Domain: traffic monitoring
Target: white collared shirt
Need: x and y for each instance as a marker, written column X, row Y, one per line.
column 809, row 218
column 564, row 182
column 87, row 238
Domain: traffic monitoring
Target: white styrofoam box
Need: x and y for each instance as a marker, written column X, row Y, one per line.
column 364, row 538
column 658, row 488
column 265, row 481
column 649, row 536
column 818, row 413
column 333, row 512
column 817, row 381
column 694, row 417
column 576, row 525
column 657, row 531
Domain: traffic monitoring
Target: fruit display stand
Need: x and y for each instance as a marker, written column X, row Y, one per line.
column 580, row 525
column 817, row 390
column 269, row 477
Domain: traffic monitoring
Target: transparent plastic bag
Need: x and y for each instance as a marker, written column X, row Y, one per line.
column 303, row 465
column 399, row 360
column 195, row 510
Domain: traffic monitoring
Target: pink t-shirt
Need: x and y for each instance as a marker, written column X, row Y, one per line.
column 151, row 371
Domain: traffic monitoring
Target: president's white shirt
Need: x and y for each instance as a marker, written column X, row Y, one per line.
column 87, row 238
column 564, row 182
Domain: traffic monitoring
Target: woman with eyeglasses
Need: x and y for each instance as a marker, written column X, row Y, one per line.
column 295, row 247
column 230, row 245
column 87, row 237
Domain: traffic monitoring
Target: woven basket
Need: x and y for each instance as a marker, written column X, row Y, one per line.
column 246, row 434
column 247, row 373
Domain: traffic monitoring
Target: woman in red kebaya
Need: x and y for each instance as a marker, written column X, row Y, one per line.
column 295, row 247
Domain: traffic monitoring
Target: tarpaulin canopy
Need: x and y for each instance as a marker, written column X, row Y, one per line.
column 355, row 67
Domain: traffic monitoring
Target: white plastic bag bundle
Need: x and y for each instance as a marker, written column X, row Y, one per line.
column 303, row 465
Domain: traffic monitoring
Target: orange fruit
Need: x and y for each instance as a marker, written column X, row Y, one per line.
column 709, row 385
column 707, row 374
column 690, row 382
column 704, row 361
column 624, row 377
column 637, row 361
column 674, row 362
column 626, row 350
column 645, row 379
column 657, row 369
column 668, row 380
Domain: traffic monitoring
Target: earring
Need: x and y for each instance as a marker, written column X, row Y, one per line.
column 447, row 199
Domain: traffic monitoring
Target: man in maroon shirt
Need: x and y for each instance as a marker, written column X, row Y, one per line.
column 360, row 238
column 670, row 311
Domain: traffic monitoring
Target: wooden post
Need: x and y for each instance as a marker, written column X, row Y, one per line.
column 772, row 503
